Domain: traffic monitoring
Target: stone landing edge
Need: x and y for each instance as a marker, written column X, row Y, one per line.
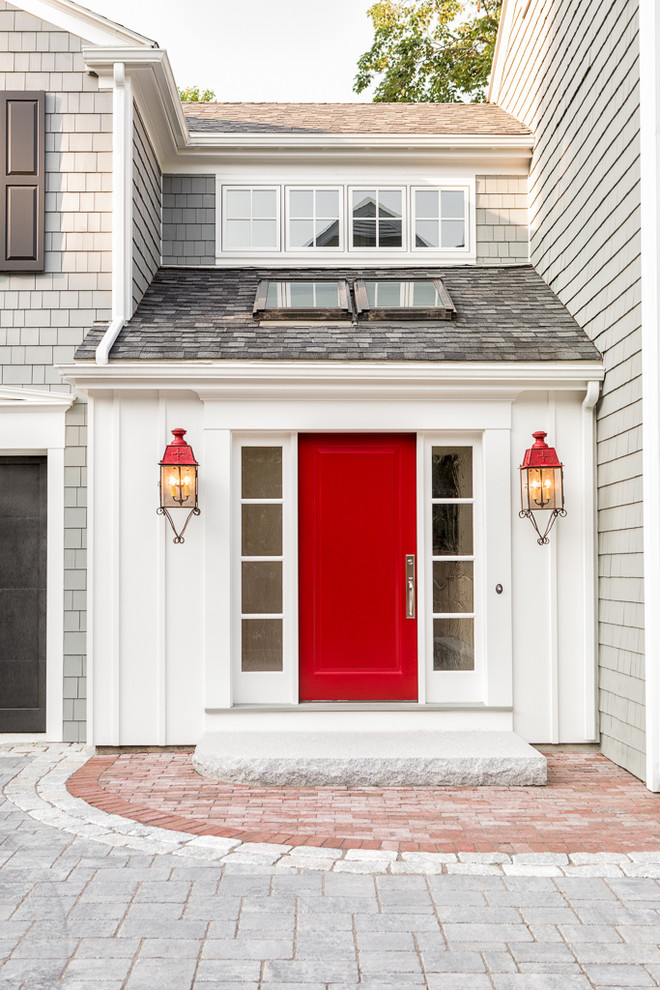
column 39, row 790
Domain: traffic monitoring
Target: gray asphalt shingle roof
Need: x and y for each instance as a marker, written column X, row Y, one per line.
column 353, row 118
column 503, row 314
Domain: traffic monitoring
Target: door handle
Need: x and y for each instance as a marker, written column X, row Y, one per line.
column 410, row 586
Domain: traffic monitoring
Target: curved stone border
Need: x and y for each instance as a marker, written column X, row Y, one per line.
column 39, row 789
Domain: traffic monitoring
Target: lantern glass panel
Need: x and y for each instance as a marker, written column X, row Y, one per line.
column 261, row 644
column 178, row 486
column 542, row 488
column 453, row 644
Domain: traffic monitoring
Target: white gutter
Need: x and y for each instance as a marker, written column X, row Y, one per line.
column 589, row 557
column 649, row 40
column 122, row 209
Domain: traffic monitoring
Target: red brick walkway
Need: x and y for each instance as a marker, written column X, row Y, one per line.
column 589, row 805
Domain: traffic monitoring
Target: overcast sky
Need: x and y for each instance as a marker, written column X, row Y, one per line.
column 255, row 50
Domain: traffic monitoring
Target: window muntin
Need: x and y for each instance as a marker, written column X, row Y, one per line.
column 314, row 218
column 262, row 559
column 420, row 299
column 439, row 218
column 251, row 218
column 453, row 559
column 302, row 299
column 377, row 217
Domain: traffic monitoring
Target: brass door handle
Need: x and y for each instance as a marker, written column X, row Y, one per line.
column 410, row 586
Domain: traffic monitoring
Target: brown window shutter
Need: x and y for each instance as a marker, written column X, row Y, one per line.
column 22, row 181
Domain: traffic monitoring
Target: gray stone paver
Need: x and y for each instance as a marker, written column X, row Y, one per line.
column 77, row 913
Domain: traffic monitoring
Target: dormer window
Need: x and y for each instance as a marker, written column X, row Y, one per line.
column 252, row 220
column 439, row 218
column 314, row 218
column 377, row 218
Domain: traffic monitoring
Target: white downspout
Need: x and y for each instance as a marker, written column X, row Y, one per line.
column 122, row 209
column 590, row 572
column 649, row 37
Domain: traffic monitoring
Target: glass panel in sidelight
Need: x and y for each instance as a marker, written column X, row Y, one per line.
column 261, row 586
column 453, row 644
column 261, row 647
column 261, row 532
column 451, row 472
column 453, row 586
column 261, row 472
column 452, row 530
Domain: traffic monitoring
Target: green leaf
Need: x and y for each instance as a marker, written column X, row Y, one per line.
column 438, row 51
column 191, row 94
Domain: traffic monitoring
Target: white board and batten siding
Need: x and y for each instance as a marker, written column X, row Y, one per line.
column 571, row 73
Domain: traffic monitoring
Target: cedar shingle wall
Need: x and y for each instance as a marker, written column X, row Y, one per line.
column 146, row 209
column 188, row 220
column 502, row 230
column 43, row 317
column 572, row 74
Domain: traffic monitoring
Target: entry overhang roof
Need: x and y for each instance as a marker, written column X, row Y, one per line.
column 503, row 314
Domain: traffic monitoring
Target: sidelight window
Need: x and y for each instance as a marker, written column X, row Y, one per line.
column 453, row 557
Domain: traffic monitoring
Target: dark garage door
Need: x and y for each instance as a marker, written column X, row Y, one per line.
column 22, row 594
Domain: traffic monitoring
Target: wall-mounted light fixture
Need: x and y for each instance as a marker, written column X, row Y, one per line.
column 541, row 485
column 178, row 482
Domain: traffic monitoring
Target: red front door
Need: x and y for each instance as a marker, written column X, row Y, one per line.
column 357, row 525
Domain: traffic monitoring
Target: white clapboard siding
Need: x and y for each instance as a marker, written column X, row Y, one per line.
column 570, row 71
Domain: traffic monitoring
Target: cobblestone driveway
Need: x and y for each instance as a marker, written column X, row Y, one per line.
column 76, row 914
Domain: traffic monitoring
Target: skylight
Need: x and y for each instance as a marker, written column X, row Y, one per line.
column 302, row 300
column 403, row 299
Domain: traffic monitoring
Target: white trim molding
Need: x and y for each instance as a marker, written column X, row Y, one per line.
column 33, row 422
column 649, row 39
column 83, row 23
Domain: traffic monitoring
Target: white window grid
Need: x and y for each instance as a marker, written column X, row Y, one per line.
column 465, row 218
column 404, row 218
column 288, row 216
column 278, row 225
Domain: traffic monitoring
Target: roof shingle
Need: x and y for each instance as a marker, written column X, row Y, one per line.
column 502, row 314
column 353, row 118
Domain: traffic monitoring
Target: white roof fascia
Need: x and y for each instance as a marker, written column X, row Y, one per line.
column 380, row 378
column 83, row 23
column 155, row 87
column 501, row 48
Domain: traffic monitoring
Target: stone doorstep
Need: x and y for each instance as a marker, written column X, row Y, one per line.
column 367, row 758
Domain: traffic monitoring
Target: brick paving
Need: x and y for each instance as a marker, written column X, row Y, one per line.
column 76, row 914
column 588, row 806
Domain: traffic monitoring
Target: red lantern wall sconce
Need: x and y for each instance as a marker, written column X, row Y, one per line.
column 178, row 482
column 541, row 485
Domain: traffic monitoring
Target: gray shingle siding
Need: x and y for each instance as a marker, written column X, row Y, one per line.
column 146, row 209
column 43, row 316
column 501, row 221
column 572, row 75
column 188, row 232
